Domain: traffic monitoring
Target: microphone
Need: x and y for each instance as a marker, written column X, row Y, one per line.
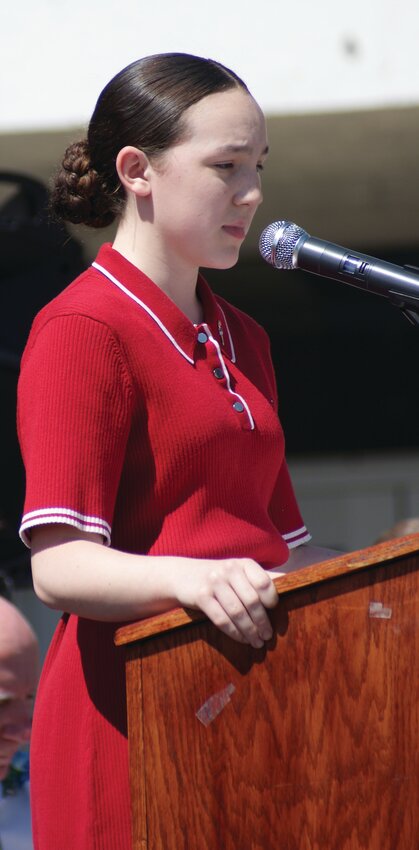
column 286, row 246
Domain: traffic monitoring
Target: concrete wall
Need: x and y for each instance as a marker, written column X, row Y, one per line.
column 339, row 83
column 296, row 57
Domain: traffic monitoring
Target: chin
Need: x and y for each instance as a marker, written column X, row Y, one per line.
column 226, row 263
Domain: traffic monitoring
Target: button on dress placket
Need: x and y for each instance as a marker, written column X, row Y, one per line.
column 204, row 337
column 219, row 370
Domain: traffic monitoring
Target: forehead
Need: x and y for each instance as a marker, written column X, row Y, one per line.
column 226, row 118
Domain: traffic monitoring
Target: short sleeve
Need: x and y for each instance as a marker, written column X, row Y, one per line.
column 285, row 512
column 74, row 414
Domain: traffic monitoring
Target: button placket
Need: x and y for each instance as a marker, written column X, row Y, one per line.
column 220, row 372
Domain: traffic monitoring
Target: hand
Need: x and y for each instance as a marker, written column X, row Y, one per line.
column 234, row 593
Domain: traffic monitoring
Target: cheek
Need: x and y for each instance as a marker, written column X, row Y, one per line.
column 198, row 196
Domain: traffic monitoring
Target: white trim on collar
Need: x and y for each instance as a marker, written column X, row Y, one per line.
column 155, row 318
column 167, row 333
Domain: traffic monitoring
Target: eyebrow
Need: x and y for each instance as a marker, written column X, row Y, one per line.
column 240, row 149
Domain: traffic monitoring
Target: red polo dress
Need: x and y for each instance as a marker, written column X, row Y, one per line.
column 163, row 437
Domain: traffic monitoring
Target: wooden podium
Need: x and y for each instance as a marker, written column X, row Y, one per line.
column 311, row 743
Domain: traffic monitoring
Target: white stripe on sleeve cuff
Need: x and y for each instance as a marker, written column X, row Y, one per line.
column 297, row 538
column 66, row 516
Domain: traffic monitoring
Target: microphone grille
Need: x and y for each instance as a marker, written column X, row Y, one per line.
column 277, row 243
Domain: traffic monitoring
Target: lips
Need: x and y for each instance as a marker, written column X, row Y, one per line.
column 235, row 230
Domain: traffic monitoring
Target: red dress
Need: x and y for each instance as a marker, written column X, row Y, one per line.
column 163, row 437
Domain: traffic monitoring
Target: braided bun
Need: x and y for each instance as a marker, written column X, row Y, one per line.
column 79, row 194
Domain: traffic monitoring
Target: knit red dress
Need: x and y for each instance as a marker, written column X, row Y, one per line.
column 163, row 437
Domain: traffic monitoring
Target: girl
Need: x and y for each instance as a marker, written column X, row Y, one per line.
column 147, row 419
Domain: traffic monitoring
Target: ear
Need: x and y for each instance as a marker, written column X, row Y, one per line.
column 133, row 168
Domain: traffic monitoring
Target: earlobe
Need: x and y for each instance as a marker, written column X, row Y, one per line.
column 132, row 166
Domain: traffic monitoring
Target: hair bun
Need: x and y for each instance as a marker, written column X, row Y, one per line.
column 79, row 194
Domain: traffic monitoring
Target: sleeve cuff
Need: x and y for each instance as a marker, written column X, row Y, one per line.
column 64, row 516
column 297, row 538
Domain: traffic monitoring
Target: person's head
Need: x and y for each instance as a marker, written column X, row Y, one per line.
column 401, row 529
column 19, row 667
column 144, row 106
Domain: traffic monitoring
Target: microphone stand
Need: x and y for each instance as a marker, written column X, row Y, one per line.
column 408, row 304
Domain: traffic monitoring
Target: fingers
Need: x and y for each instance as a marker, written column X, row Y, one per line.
column 217, row 614
column 235, row 599
column 262, row 582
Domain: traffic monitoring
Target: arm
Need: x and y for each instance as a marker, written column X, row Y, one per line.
column 74, row 572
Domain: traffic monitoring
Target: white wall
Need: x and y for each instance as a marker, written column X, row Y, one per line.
column 348, row 502
column 57, row 56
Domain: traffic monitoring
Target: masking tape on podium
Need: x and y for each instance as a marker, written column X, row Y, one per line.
column 213, row 706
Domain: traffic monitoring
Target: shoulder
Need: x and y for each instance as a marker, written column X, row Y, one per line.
column 85, row 296
column 74, row 341
column 86, row 313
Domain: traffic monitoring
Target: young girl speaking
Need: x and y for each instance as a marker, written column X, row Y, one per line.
column 147, row 419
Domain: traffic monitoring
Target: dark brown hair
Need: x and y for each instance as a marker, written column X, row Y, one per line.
column 143, row 105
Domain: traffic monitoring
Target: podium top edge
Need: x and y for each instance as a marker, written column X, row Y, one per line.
column 333, row 568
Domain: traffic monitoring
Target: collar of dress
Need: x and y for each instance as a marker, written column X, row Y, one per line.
column 181, row 332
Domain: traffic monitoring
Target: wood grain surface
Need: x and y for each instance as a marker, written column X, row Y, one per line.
column 350, row 562
column 308, row 744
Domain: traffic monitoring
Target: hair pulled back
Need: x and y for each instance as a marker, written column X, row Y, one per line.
column 143, row 106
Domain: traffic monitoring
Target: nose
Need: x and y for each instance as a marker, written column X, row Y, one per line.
column 250, row 193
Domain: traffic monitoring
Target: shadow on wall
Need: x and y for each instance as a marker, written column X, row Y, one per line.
column 37, row 259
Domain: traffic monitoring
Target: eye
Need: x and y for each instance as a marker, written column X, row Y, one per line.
column 224, row 166
column 260, row 166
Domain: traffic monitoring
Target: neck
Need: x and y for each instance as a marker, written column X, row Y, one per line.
column 178, row 282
